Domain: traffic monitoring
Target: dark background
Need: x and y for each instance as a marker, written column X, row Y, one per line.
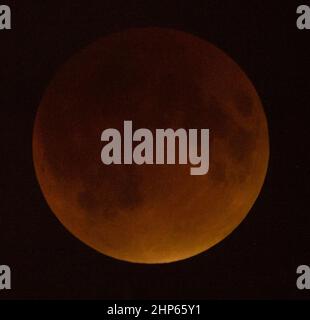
column 259, row 259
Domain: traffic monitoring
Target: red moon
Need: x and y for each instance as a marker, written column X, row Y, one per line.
column 158, row 78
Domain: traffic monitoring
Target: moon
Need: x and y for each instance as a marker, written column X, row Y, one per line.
column 158, row 78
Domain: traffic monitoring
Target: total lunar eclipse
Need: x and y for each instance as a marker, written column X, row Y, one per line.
column 158, row 78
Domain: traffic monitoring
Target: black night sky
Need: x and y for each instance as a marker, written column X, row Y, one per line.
column 259, row 259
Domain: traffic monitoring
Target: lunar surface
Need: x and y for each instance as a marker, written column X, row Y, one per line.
column 158, row 78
